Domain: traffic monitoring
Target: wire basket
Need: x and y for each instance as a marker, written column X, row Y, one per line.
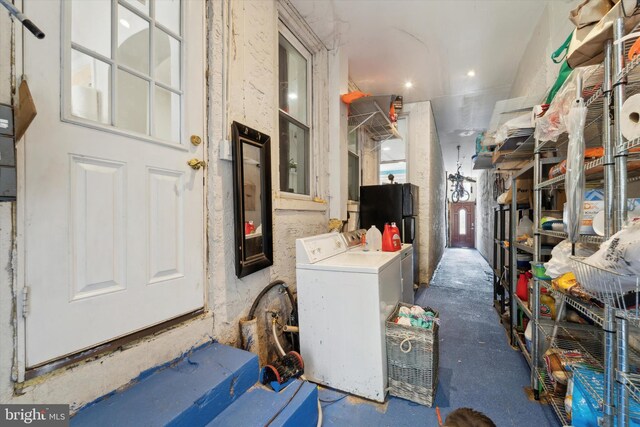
column 609, row 287
column 412, row 359
column 592, row 383
column 632, row 384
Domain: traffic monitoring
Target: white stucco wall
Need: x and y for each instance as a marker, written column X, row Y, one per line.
column 426, row 170
column 252, row 100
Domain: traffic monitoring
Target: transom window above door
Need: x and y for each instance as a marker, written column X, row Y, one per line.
column 123, row 66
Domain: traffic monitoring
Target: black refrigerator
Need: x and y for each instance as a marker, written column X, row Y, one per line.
column 397, row 203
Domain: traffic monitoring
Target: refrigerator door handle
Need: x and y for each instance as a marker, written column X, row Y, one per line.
column 413, row 229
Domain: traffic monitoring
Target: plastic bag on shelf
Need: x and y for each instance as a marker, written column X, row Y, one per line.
column 553, row 124
column 521, row 122
column 574, row 178
column 560, row 262
column 621, row 253
column 525, row 227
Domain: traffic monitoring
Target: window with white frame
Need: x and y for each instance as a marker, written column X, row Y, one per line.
column 294, row 92
column 353, row 165
column 393, row 156
column 123, row 67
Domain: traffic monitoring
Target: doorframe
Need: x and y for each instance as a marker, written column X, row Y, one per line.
column 450, row 217
column 20, row 296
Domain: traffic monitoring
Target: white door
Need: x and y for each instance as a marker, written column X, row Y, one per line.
column 113, row 216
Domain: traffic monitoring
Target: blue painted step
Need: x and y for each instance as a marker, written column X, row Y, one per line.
column 258, row 406
column 189, row 392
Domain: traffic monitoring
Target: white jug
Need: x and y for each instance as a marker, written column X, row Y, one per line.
column 374, row 239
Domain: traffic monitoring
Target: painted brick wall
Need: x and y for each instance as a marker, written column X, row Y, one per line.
column 252, row 100
column 426, row 170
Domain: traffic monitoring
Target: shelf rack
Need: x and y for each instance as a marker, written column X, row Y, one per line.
column 590, row 310
column 557, row 402
column 604, row 90
column 367, row 112
column 501, row 290
column 585, row 238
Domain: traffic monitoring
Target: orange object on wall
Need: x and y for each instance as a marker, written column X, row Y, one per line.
column 348, row 98
column 593, row 153
column 635, row 49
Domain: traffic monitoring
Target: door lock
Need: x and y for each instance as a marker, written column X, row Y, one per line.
column 196, row 164
column 196, row 140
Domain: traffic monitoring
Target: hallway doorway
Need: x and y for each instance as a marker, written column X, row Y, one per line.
column 462, row 224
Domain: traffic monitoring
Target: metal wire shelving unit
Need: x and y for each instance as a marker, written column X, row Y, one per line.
column 612, row 300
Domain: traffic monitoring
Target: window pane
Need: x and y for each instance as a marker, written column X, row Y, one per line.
column 90, row 88
column 294, row 158
column 166, row 115
column 462, row 222
column 133, row 41
column 168, row 14
column 354, row 177
column 91, row 25
column 397, row 169
column 292, row 69
column 352, row 141
column 141, row 5
column 167, row 59
column 132, row 108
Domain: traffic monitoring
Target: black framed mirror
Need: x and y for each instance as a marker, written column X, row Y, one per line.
column 252, row 199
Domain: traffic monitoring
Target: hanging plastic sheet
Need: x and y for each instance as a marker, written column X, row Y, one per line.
column 574, row 178
column 553, row 124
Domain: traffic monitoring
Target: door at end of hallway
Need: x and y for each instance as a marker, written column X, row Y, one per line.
column 462, row 224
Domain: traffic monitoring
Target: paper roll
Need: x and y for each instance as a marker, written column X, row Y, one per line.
column 630, row 118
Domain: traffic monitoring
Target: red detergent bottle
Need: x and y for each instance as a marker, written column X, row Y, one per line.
column 387, row 239
column 395, row 237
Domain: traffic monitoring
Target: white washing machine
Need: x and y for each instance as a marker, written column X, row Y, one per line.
column 352, row 240
column 406, row 260
column 344, row 298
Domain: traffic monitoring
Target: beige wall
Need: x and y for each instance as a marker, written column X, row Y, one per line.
column 426, row 170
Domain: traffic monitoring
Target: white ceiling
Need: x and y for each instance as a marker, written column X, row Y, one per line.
column 433, row 44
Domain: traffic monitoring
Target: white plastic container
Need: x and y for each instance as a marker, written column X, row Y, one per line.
column 373, row 240
column 525, row 226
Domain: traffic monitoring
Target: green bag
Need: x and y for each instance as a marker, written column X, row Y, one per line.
column 558, row 56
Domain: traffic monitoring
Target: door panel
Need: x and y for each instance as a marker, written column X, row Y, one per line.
column 113, row 228
column 462, row 224
column 98, row 249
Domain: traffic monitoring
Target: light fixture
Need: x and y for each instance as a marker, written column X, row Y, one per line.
column 292, row 95
column 125, row 23
column 408, row 85
column 466, row 133
column 386, row 148
column 471, row 73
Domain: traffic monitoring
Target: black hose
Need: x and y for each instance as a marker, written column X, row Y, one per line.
column 294, row 307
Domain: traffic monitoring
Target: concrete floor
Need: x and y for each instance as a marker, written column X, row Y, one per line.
column 478, row 368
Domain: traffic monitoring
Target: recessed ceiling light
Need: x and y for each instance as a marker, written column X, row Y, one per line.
column 466, row 133
column 471, row 73
column 408, row 85
column 293, row 95
column 386, row 148
column 125, row 23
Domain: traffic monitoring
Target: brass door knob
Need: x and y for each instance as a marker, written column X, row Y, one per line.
column 196, row 164
column 196, row 140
